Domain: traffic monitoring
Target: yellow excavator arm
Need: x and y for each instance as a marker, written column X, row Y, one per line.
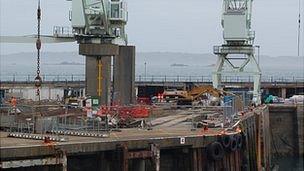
column 198, row 91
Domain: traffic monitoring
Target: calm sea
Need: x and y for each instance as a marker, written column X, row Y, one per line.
column 8, row 72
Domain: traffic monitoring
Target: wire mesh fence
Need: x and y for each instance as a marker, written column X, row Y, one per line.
column 154, row 78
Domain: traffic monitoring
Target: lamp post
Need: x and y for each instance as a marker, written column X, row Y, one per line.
column 145, row 71
column 299, row 29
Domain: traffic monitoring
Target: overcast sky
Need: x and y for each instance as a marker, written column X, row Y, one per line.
column 191, row 26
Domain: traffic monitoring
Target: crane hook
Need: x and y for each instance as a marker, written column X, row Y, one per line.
column 38, row 80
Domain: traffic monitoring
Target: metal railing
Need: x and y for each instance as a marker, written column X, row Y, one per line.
column 45, row 78
column 233, row 79
column 229, row 111
column 55, row 127
column 60, row 31
column 233, row 50
column 155, row 78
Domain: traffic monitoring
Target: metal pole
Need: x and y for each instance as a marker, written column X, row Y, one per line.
column 299, row 28
column 12, row 123
column 65, row 117
column 28, row 127
column 64, row 162
column 21, row 127
column 93, row 124
column 98, row 127
column 113, row 77
column 145, row 71
column 107, row 123
column 150, row 119
column 193, row 127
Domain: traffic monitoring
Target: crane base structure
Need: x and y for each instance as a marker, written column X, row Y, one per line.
column 99, row 72
column 247, row 65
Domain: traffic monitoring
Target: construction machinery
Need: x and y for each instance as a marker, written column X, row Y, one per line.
column 196, row 94
column 237, row 54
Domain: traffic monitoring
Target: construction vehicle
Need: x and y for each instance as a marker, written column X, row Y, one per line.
column 172, row 94
column 196, row 94
column 72, row 97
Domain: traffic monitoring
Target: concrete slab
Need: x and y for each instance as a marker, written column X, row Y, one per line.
column 135, row 138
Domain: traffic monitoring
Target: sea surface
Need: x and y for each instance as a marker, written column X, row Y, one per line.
column 76, row 72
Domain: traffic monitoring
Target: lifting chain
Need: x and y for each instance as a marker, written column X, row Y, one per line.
column 38, row 80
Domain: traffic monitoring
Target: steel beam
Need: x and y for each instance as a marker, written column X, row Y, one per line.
column 225, row 50
column 156, row 158
column 222, row 52
column 140, row 154
column 33, row 38
column 35, row 162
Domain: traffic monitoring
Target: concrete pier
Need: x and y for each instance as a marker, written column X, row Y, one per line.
column 93, row 78
column 162, row 149
column 98, row 69
column 99, row 73
column 124, row 76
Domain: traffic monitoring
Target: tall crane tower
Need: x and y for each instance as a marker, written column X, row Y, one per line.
column 98, row 26
column 237, row 54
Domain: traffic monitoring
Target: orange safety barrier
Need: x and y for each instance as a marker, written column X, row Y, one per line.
column 125, row 112
column 14, row 102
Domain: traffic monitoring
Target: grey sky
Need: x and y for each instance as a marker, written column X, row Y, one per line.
column 191, row 26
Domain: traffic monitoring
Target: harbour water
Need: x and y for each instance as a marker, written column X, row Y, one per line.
column 11, row 72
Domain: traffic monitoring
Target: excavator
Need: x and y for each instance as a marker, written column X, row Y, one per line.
column 196, row 94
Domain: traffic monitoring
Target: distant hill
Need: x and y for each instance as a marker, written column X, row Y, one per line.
column 28, row 58
column 151, row 58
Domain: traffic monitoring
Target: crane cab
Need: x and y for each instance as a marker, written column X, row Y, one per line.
column 236, row 21
column 118, row 11
column 103, row 19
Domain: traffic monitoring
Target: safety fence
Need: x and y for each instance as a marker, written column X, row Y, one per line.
column 155, row 78
column 60, row 126
column 229, row 110
column 56, row 128
column 238, row 79
column 81, row 121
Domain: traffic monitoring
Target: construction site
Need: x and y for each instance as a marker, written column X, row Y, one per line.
column 112, row 120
